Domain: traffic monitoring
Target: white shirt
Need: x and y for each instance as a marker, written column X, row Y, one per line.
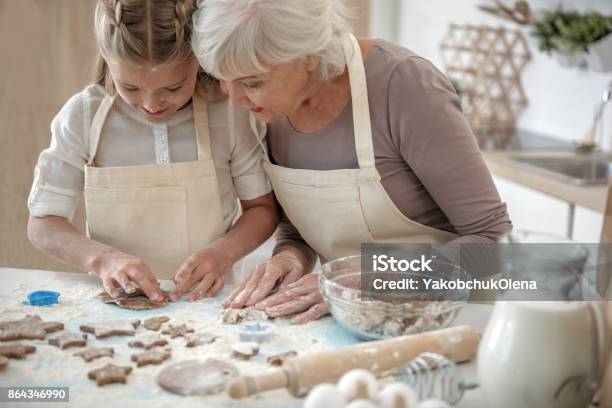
column 129, row 139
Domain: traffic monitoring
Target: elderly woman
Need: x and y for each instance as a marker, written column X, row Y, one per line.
column 366, row 142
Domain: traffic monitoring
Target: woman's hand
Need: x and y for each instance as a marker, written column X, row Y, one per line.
column 120, row 270
column 283, row 268
column 302, row 296
column 205, row 270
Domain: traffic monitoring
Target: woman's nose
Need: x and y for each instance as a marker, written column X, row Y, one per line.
column 236, row 94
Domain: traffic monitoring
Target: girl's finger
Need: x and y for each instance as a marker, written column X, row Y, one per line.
column 147, row 282
column 123, row 280
column 184, row 279
column 205, row 284
column 216, row 287
column 318, row 310
column 111, row 286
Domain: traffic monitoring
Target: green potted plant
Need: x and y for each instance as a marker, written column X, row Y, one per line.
column 577, row 39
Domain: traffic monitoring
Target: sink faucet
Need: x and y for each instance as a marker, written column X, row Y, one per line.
column 589, row 144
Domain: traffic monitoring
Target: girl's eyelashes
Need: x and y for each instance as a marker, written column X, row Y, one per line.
column 174, row 88
column 129, row 88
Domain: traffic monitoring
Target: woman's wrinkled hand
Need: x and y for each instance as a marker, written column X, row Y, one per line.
column 281, row 270
column 302, row 296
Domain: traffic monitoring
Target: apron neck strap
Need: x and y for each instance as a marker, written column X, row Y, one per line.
column 359, row 98
column 200, row 116
column 96, row 126
column 253, row 124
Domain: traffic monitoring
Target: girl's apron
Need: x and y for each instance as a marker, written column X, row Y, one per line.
column 159, row 213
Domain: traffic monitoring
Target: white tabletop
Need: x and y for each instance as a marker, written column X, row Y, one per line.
column 50, row 366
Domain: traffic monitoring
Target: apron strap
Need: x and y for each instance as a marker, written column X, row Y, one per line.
column 200, row 116
column 253, row 125
column 359, row 98
column 96, row 126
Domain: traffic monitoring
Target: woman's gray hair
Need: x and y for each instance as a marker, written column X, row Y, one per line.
column 235, row 38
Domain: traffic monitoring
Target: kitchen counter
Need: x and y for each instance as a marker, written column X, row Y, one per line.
column 51, row 366
column 500, row 164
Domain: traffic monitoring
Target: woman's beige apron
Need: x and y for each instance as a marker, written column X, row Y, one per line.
column 336, row 211
column 159, row 213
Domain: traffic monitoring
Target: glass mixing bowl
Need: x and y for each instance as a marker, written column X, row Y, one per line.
column 420, row 311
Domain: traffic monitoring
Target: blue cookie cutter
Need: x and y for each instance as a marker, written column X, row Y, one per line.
column 257, row 331
column 43, row 298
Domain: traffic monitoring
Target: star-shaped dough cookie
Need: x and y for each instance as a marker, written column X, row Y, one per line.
column 148, row 342
column 109, row 374
column 92, row 353
column 107, row 328
column 68, row 339
column 16, row 350
column 151, row 357
column 28, row 328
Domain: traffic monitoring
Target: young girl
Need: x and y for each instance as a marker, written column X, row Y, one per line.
column 161, row 169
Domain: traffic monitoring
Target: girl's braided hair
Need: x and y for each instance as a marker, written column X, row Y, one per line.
column 136, row 32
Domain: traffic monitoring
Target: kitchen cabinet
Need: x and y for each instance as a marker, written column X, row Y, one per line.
column 533, row 210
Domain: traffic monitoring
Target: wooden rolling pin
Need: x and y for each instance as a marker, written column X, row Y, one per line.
column 301, row 373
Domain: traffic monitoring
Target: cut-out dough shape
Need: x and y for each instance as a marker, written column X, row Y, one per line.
column 199, row 339
column 28, row 328
column 154, row 323
column 93, row 353
column 107, row 328
column 109, row 374
column 245, row 349
column 69, row 339
column 176, row 331
column 133, row 301
column 151, row 357
column 148, row 342
column 197, row 377
column 16, row 350
column 279, row 359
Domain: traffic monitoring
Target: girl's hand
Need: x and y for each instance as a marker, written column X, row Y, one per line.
column 283, row 267
column 302, row 296
column 121, row 270
column 206, row 269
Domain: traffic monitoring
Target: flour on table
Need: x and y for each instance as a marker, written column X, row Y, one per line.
column 236, row 316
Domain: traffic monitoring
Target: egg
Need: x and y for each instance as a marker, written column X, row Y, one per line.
column 397, row 395
column 358, row 383
column 361, row 403
column 325, row 395
column 434, row 403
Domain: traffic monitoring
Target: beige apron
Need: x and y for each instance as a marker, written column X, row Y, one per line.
column 159, row 213
column 336, row 211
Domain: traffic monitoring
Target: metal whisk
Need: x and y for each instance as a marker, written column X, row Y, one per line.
column 434, row 376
